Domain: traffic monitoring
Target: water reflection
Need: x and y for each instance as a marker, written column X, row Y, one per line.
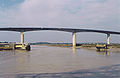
column 44, row 59
column 74, row 50
column 108, row 53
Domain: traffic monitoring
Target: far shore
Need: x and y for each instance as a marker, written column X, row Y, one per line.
column 92, row 46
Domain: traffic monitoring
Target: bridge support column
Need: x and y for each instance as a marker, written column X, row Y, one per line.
column 74, row 39
column 22, row 37
column 108, row 38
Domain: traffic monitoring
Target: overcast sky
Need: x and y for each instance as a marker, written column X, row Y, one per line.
column 90, row 14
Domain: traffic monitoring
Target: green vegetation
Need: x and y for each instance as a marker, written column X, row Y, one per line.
column 53, row 44
column 84, row 45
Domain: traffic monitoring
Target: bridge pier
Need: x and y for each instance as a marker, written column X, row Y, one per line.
column 22, row 37
column 108, row 39
column 74, row 39
column 22, row 44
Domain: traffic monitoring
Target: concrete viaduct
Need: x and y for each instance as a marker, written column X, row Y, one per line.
column 71, row 30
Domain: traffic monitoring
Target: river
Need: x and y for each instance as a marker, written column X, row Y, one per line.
column 59, row 62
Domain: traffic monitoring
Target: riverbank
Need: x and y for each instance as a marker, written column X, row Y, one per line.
column 92, row 46
column 78, row 45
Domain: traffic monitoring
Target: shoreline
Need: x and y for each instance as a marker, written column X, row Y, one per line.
column 111, row 47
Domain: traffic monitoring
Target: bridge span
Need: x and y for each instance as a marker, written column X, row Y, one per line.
column 71, row 30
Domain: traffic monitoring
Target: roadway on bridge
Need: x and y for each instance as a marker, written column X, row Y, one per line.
column 26, row 29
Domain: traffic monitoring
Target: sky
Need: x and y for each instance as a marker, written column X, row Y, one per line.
column 86, row 14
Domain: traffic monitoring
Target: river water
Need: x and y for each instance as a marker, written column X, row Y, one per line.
column 58, row 62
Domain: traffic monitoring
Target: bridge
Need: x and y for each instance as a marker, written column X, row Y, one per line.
column 71, row 30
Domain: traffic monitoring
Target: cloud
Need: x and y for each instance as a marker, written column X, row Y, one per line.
column 41, row 12
column 67, row 13
column 100, row 14
column 79, row 13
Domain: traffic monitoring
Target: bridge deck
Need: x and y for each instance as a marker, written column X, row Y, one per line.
column 26, row 29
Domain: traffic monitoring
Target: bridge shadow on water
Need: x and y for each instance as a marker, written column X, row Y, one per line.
column 103, row 72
